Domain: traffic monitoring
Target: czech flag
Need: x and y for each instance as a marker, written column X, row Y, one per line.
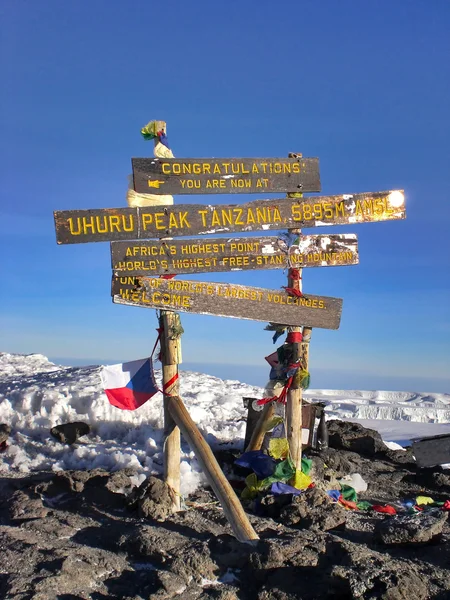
column 130, row 384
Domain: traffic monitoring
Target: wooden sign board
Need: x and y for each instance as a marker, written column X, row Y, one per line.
column 206, row 255
column 227, row 300
column 110, row 224
column 225, row 175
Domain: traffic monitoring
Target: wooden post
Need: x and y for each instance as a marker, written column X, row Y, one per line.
column 260, row 430
column 294, row 398
column 294, row 395
column 230, row 503
column 170, row 358
column 170, row 344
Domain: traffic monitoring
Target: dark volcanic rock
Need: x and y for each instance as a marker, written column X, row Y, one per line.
column 5, row 430
column 313, row 510
column 354, row 437
column 401, row 457
column 370, row 575
column 26, row 505
column 411, row 529
column 83, row 549
column 152, row 499
column 68, row 433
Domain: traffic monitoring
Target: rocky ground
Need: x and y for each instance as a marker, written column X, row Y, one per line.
column 88, row 534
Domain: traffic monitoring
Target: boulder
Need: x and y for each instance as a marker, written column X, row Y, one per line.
column 5, row 430
column 314, row 510
column 152, row 499
column 411, row 529
column 68, row 433
column 354, row 437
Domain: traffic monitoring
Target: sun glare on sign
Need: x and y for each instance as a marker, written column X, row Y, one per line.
column 396, row 198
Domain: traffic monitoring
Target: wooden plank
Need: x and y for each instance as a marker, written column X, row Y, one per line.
column 225, row 175
column 431, row 451
column 207, row 255
column 231, row 506
column 110, row 224
column 227, row 300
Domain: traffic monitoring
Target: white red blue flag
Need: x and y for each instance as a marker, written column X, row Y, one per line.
column 130, row 384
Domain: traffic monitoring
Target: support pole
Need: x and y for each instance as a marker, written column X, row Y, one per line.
column 294, row 395
column 170, row 326
column 170, row 348
column 260, row 430
column 294, row 398
column 230, row 503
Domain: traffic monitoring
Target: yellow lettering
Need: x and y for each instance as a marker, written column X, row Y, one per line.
column 328, row 210
column 159, row 222
column 296, row 211
column 114, row 222
column 215, row 219
column 183, row 219
column 147, row 219
column 239, row 212
column 340, row 209
column 250, row 217
column 105, row 225
column 173, row 220
column 261, row 215
column 203, row 214
column 70, row 220
column 130, row 227
column 227, row 218
column 165, row 168
column 276, row 215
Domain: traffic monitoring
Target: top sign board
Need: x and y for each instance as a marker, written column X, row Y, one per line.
column 225, row 175
column 110, row 224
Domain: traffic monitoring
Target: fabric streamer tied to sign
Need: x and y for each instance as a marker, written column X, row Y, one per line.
column 162, row 150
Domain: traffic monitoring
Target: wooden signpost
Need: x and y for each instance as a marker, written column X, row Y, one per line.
column 109, row 224
column 137, row 260
column 160, row 257
column 227, row 300
column 225, row 175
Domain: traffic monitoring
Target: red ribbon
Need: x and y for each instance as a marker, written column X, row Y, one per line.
column 292, row 291
column 295, row 274
column 169, row 383
column 294, row 337
column 281, row 398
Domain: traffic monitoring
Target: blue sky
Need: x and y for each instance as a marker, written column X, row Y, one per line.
column 365, row 86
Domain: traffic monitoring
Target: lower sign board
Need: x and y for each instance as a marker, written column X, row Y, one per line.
column 206, row 255
column 228, row 300
column 109, row 224
column 225, row 175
